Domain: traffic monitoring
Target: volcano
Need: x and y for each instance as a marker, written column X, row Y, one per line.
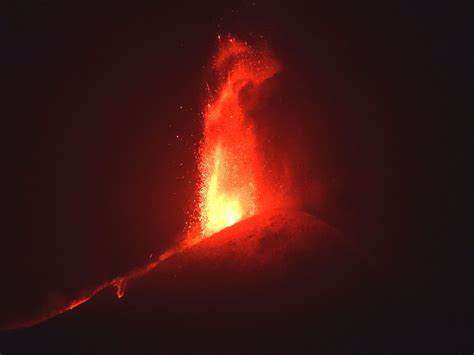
column 236, row 177
column 271, row 274
column 251, row 271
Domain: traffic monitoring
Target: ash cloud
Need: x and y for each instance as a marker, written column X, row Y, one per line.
column 287, row 141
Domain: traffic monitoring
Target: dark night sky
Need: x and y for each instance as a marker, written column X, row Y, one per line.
column 368, row 102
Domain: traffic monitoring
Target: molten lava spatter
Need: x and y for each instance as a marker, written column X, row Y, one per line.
column 230, row 164
column 234, row 184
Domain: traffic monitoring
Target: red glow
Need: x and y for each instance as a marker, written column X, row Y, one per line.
column 230, row 164
column 234, row 184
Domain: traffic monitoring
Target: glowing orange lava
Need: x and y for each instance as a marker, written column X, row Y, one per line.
column 230, row 164
column 234, row 183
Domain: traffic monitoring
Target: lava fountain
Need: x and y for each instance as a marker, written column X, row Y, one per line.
column 230, row 164
column 234, row 182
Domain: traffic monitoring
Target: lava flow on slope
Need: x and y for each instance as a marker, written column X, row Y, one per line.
column 233, row 183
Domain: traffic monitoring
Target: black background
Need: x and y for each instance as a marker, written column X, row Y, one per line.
column 103, row 121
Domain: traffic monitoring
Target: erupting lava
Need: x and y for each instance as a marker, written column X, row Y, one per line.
column 234, row 184
column 230, row 164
